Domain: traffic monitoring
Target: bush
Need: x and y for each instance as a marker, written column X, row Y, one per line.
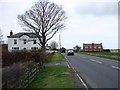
column 29, row 64
column 14, row 71
column 8, row 58
column 106, row 50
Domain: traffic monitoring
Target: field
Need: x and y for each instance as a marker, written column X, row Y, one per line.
column 109, row 55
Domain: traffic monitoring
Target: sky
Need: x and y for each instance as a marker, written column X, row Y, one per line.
column 88, row 21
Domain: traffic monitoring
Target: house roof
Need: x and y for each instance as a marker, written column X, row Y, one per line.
column 95, row 44
column 17, row 35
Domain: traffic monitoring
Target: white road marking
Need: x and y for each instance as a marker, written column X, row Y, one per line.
column 82, row 81
column 69, row 64
column 96, row 61
column 80, row 78
column 74, row 69
column 115, row 67
column 65, row 58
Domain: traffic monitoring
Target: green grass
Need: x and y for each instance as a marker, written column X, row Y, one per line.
column 57, row 57
column 109, row 55
column 53, row 77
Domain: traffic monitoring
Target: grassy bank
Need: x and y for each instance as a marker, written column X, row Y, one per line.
column 54, row 77
column 56, row 57
column 109, row 55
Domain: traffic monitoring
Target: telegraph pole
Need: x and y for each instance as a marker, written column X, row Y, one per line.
column 59, row 41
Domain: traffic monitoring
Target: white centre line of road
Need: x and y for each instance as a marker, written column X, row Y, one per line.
column 115, row 67
column 96, row 61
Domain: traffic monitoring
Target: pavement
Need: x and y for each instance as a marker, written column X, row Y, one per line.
column 96, row 72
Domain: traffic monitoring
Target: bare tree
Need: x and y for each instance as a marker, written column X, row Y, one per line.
column 54, row 45
column 45, row 19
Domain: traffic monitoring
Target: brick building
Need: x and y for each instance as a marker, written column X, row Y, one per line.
column 114, row 50
column 93, row 47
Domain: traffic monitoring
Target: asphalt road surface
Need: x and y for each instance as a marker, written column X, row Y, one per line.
column 97, row 72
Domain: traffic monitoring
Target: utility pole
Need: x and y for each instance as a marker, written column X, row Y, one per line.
column 59, row 41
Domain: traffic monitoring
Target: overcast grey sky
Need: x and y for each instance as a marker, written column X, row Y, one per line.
column 88, row 21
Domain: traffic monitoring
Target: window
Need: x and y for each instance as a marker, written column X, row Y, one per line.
column 90, row 47
column 15, row 41
column 24, row 41
column 24, row 48
column 86, row 47
column 34, row 42
column 99, row 47
column 95, row 47
column 15, row 48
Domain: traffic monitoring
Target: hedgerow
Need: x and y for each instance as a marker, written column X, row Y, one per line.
column 9, row 58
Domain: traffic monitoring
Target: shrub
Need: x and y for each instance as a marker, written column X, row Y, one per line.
column 14, row 71
column 28, row 64
column 8, row 58
column 106, row 50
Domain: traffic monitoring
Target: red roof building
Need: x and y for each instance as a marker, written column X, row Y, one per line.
column 93, row 47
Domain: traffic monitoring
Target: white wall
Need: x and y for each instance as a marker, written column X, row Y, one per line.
column 20, row 43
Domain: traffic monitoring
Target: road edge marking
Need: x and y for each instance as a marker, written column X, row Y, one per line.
column 76, row 74
column 68, row 65
column 82, row 81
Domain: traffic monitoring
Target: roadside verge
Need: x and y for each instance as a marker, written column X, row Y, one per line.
column 56, row 75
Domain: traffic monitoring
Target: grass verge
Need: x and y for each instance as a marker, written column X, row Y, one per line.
column 56, row 57
column 109, row 55
column 54, row 77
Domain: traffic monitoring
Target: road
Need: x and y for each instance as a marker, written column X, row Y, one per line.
column 97, row 72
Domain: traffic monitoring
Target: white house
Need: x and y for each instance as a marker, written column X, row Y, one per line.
column 22, row 41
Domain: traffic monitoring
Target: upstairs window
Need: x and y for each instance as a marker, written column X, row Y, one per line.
column 15, row 48
column 15, row 41
column 24, row 41
column 34, row 42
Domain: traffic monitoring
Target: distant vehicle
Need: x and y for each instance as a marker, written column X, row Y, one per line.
column 62, row 50
column 70, row 52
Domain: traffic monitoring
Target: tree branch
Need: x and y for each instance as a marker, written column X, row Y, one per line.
column 45, row 19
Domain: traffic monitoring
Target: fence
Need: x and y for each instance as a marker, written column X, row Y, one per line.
column 24, row 80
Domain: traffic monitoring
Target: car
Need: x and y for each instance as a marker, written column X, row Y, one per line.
column 70, row 52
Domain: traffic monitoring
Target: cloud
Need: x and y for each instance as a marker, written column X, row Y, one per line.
column 97, row 8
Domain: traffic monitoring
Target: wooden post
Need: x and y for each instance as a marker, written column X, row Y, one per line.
column 6, row 85
column 27, row 76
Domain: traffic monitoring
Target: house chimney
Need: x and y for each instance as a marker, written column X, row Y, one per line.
column 11, row 33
